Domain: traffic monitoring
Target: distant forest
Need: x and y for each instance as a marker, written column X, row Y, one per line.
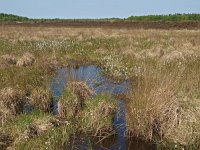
column 170, row 17
column 10, row 17
column 173, row 17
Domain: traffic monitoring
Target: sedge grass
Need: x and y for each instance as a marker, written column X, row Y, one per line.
column 163, row 65
column 97, row 116
column 164, row 104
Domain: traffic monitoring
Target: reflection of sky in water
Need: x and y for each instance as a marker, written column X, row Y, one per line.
column 57, row 86
column 97, row 82
column 120, row 125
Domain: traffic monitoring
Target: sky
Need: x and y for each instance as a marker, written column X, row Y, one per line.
column 96, row 8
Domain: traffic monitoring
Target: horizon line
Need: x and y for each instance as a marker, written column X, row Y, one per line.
column 164, row 14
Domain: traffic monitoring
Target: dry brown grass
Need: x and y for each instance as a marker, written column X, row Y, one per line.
column 2, row 64
column 152, row 108
column 25, row 127
column 81, row 89
column 5, row 141
column 42, row 99
column 164, row 105
column 26, row 60
column 96, row 118
column 5, row 114
column 38, row 33
column 73, row 98
column 38, row 127
column 10, row 59
column 12, row 99
column 50, row 63
column 68, row 104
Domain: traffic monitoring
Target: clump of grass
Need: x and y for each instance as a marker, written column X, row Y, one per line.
column 97, row 116
column 12, row 99
column 56, row 138
column 151, row 109
column 5, row 140
column 68, row 104
column 18, row 128
column 178, row 56
column 5, row 114
column 164, row 104
column 2, row 64
column 50, row 63
column 9, row 59
column 81, row 89
column 42, row 99
column 24, row 78
column 26, row 60
column 58, row 121
column 39, row 126
column 113, row 66
column 73, row 98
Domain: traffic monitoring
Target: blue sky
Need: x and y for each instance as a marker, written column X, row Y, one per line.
column 96, row 8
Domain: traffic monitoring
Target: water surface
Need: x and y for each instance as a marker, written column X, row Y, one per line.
column 94, row 78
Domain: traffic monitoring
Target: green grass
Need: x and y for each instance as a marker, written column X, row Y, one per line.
column 56, row 138
column 24, row 78
column 97, row 116
column 68, row 104
column 17, row 126
column 162, row 66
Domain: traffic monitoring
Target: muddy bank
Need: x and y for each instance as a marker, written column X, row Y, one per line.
column 192, row 25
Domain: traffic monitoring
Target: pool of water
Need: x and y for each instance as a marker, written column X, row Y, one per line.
column 94, row 78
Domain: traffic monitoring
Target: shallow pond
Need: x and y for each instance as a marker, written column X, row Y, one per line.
column 94, row 78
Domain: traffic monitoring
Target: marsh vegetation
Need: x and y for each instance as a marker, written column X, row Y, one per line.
column 162, row 103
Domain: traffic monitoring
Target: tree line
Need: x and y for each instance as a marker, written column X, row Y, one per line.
column 170, row 17
column 10, row 17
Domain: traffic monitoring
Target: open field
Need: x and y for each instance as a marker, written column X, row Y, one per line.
column 119, row 24
column 161, row 66
column 171, row 21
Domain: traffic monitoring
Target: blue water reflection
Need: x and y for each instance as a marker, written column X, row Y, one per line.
column 94, row 78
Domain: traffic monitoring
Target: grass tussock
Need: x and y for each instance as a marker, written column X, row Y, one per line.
column 26, row 60
column 68, row 104
column 81, row 89
column 56, row 138
column 51, row 63
column 9, row 59
column 164, row 105
column 163, row 65
column 35, row 130
column 42, row 99
column 2, row 64
column 12, row 99
column 5, row 114
column 73, row 98
column 23, row 78
column 151, row 109
column 5, row 141
column 19, row 129
column 39, row 126
column 96, row 118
